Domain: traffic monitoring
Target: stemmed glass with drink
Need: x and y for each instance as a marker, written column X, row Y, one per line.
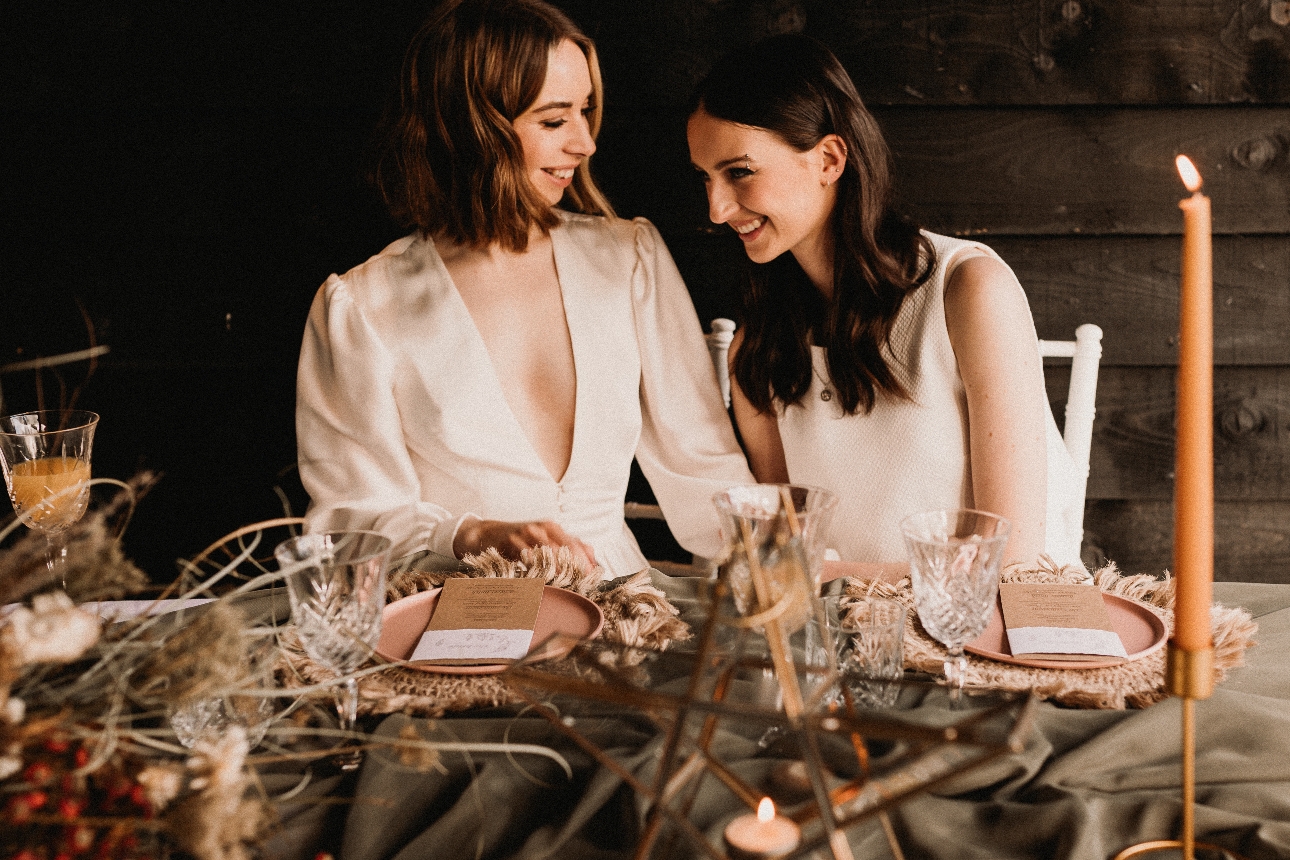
column 45, row 456
column 954, row 562
column 336, row 583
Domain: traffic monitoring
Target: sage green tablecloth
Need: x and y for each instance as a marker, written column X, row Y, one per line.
column 1088, row 784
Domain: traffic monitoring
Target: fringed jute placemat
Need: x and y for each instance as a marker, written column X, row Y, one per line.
column 636, row 614
column 1135, row 684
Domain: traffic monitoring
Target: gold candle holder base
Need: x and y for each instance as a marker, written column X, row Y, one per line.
column 1190, row 676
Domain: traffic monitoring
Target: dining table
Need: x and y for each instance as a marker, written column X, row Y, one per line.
column 1083, row 783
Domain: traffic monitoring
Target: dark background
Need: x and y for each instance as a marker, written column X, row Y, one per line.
column 178, row 181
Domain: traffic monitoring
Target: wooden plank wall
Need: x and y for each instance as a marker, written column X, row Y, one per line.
column 1048, row 129
column 184, row 179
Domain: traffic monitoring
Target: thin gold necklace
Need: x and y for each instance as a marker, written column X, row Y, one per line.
column 826, row 392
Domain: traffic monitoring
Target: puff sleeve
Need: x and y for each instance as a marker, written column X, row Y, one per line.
column 687, row 448
column 354, row 462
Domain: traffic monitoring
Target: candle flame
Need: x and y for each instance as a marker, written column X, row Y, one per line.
column 1190, row 175
column 766, row 810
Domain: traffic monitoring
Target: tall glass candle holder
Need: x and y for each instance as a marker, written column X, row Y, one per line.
column 775, row 536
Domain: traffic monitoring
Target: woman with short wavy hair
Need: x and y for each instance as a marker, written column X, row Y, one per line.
column 486, row 380
column 452, row 163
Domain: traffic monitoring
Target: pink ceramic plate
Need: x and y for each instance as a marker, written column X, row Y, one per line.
column 564, row 612
column 1140, row 629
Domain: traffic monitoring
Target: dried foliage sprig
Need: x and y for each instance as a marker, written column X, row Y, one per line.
column 202, row 659
column 90, row 762
column 96, row 568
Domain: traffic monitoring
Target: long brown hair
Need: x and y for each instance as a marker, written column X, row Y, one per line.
column 449, row 162
column 793, row 86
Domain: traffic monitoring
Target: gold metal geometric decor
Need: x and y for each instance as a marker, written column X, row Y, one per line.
column 858, row 763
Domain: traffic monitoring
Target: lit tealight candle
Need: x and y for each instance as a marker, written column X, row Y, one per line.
column 762, row 835
column 1194, row 469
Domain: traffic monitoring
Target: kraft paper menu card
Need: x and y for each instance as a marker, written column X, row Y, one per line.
column 481, row 620
column 1053, row 621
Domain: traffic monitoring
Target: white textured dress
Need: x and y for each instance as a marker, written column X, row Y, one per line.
column 905, row 457
column 402, row 425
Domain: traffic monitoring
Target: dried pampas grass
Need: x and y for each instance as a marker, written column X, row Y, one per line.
column 202, row 659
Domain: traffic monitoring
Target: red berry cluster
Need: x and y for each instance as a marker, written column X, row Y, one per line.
column 49, row 811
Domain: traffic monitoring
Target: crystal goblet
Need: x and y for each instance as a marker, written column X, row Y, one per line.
column 45, row 456
column 336, row 584
column 954, row 561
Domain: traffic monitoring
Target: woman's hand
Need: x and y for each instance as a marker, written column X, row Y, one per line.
column 508, row 538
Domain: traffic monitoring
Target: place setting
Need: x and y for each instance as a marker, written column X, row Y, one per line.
column 480, row 626
column 446, row 638
column 1040, row 624
column 1079, row 638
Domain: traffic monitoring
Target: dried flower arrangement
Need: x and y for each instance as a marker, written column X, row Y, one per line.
column 86, row 767
column 95, row 713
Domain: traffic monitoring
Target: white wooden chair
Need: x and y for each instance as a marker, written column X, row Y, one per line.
column 723, row 332
column 1085, row 353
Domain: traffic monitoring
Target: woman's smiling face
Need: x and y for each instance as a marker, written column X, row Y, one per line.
column 554, row 132
column 776, row 198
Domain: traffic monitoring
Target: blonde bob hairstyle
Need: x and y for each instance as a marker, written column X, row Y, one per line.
column 450, row 163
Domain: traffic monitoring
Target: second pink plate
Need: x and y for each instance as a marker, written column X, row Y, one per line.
column 563, row 612
column 1140, row 629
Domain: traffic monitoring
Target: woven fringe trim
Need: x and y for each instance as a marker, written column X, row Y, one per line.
column 636, row 614
column 1135, row 684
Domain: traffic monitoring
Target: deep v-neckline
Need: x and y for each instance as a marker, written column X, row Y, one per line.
column 504, row 405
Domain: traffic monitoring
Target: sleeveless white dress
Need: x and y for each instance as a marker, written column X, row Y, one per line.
column 905, row 457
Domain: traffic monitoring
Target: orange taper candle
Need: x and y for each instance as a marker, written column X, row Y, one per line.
column 1194, row 469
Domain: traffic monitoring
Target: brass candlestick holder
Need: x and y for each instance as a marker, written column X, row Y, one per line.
column 1189, row 675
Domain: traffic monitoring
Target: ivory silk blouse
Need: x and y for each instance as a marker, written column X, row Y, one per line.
column 402, row 425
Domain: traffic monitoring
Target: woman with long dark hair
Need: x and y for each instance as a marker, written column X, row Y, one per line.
column 486, row 380
column 898, row 368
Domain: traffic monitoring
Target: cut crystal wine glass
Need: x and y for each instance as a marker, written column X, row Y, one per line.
column 336, row 584
column 954, row 562
column 45, row 456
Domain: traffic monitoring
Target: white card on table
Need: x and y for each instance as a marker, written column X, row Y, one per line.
column 1055, row 621
column 481, row 620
